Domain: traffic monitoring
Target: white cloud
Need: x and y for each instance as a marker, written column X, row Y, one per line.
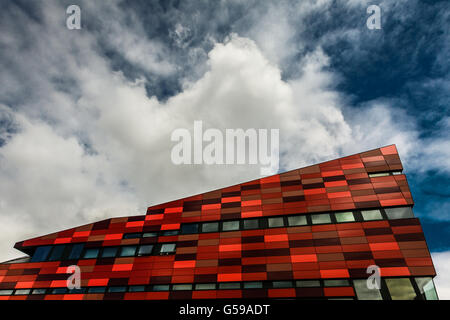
column 441, row 261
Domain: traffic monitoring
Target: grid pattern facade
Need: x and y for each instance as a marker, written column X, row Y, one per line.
column 306, row 233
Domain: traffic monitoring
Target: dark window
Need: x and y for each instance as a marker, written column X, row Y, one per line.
column 276, row 222
column 297, row 221
column 41, row 254
column 150, row 234
column 75, row 253
column 96, row 289
column 57, row 253
column 91, row 253
column 253, row 285
column 145, row 250
column 131, row 235
column 282, row 284
column 170, row 233
column 205, row 286
column 136, row 288
column 109, row 252
column 307, row 283
column 59, row 291
column 336, row 283
column 160, row 287
column 189, row 228
column 251, row 224
column 167, row 248
column 179, row 287
column 128, row 251
column 77, row 291
column 38, row 291
column 229, row 285
column 117, row 289
column 230, row 225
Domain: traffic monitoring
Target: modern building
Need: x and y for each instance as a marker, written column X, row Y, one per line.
column 309, row 233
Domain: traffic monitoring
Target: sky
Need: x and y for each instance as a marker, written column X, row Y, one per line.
column 86, row 115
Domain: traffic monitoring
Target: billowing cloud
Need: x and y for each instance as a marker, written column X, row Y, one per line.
column 441, row 261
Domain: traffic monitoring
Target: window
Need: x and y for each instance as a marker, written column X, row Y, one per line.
column 59, row 291
column 230, row 225
column 22, row 291
column 167, row 248
column 76, row 251
column 276, row 222
column 150, row 234
column 128, row 251
column 91, row 253
column 6, row 292
column 160, row 287
column 205, row 286
column 136, row 288
column 344, row 217
column 426, row 288
column 400, row 289
column 131, row 235
column 210, row 227
column 170, row 233
column 41, row 254
column 251, row 224
column 229, row 285
column 38, row 291
column 336, row 283
column 307, row 283
column 145, row 250
column 253, row 285
column 320, row 218
column 378, row 174
column 364, row 293
column 96, row 289
column 57, row 253
column 399, row 213
column 297, row 221
column 179, row 287
column 75, row 290
column 109, row 252
column 117, row 289
column 189, row 228
column 282, row 284
column 371, row 215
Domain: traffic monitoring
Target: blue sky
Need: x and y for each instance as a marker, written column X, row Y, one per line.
column 86, row 115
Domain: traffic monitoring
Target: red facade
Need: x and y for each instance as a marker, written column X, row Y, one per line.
column 306, row 233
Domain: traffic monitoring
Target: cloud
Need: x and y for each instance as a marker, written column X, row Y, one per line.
column 441, row 261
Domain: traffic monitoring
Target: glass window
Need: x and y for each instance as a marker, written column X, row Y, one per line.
column 41, row 254
column 379, row 174
column 76, row 251
column 321, row 218
column 251, row 224
column 137, row 288
column 336, row 283
column 205, row 286
column 230, row 225
column 57, row 253
column 168, row 248
column 364, row 293
column 77, row 291
column 59, row 291
column 117, row 289
column 109, row 252
column 344, row 217
column 400, row 289
column 229, row 285
column 399, row 213
column 371, row 215
column 38, row 291
column 426, row 288
column 253, row 285
column 22, row 291
column 297, row 221
column 210, row 227
column 150, row 234
column 282, row 284
column 128, row 251
column 160, row 287
column 170, row 233
column 178, row 287
column 189, row 228
column 6, row 292
column 276, row 222
column 145, row 250
column 91, row 253
column 131, row 235
column 96, row 289
column 307, row 283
